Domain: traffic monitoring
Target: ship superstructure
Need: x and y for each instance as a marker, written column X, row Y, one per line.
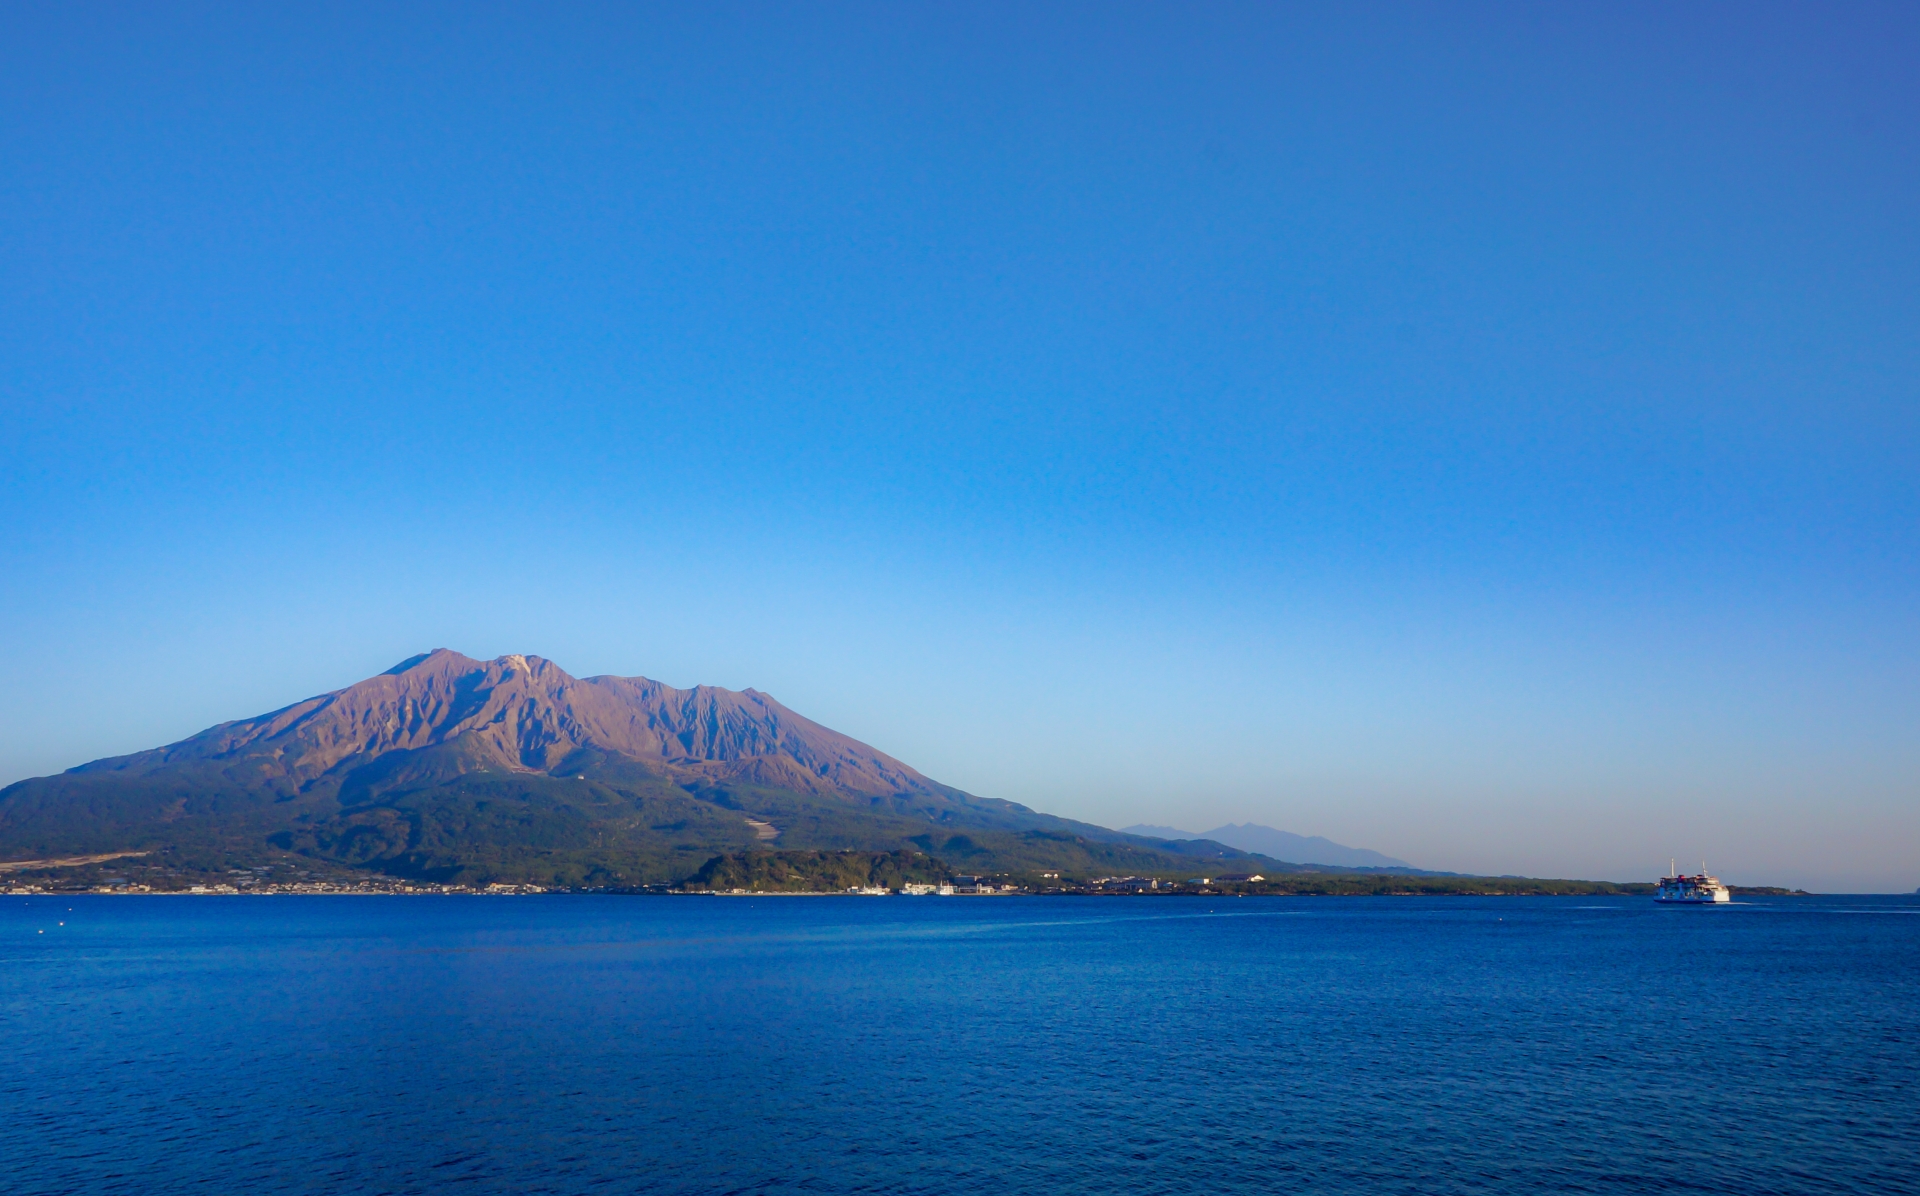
column 1699, row 889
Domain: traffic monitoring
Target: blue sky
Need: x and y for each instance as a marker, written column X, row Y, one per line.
column 1487, row 434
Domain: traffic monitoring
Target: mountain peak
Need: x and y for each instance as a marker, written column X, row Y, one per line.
column 438, row 657
column 447, row 765
column 1281, row 845
column 443, row 711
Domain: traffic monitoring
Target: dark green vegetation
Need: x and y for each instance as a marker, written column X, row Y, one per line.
column 817, row 871
column 833, row 872
column 1347, row 885
column 609, row 825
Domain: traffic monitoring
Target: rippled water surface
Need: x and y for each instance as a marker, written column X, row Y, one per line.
column 984, row 1045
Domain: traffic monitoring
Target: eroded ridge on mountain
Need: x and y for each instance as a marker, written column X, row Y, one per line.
column 449, row 769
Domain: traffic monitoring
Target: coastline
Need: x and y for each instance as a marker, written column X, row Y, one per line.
column 374, row 890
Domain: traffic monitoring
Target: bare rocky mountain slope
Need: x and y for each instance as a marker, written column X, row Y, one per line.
column 524, row 714
column 446, row 767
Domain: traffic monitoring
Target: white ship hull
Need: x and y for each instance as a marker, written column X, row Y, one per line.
column 1692, row 890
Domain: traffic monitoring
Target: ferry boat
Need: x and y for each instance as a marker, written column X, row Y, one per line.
column 1702, row 889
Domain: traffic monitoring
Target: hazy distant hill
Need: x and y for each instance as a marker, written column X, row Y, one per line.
column 446, row 767
column 1264, row 840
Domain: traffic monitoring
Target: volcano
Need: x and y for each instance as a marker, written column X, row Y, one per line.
column 449, row 768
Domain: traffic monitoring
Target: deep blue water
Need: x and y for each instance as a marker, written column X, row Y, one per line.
column 996, row 1046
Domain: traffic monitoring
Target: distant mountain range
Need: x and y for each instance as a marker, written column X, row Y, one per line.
column 1264, row 840
column 449, row 768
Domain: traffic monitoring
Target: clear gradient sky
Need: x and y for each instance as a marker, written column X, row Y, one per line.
column 1485, row 434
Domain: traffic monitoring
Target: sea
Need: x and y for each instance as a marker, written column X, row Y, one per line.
column 990, row 1045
